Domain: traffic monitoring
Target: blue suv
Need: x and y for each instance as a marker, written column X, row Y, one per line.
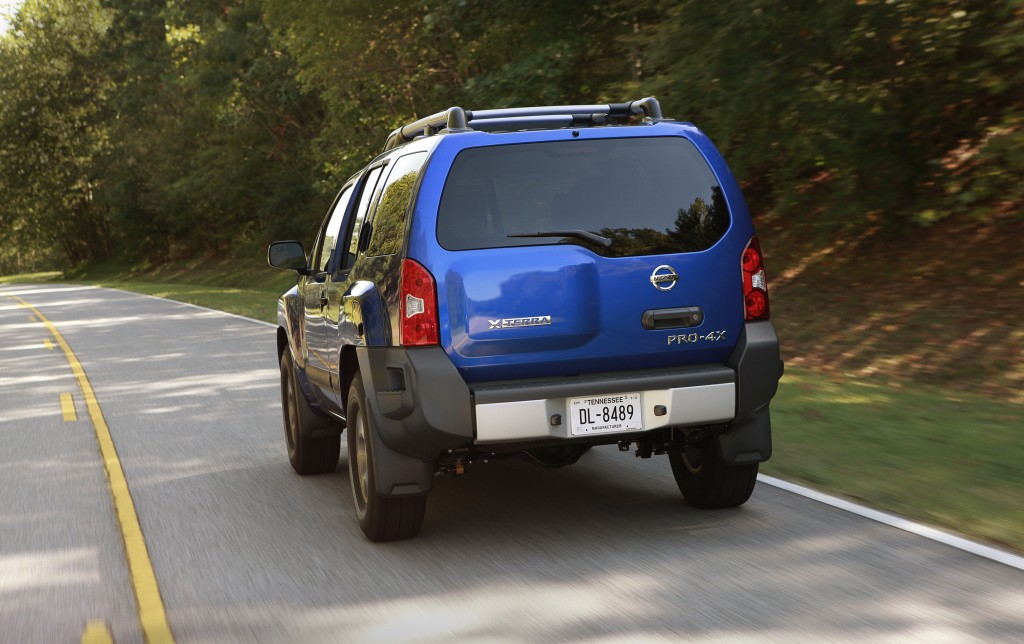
column 529, row 282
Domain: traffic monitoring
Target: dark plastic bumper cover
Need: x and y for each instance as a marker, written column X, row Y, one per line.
column 758, row 366
column 420, row 402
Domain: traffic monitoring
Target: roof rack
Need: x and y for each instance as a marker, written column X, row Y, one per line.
column 456, row 119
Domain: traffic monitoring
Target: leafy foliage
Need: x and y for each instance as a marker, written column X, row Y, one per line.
column 853, row 106
column 174, row 128
column 53, row 128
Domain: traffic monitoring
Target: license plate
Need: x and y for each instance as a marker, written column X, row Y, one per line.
column 605, row 414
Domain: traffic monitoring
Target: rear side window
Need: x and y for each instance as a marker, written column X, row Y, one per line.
column 649, row 196
column 364, row 207
column 389, row 220
column 332, row 230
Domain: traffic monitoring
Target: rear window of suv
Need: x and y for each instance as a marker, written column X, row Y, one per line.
column 648, row 196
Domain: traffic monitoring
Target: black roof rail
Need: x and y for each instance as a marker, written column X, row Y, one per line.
column 456, row 119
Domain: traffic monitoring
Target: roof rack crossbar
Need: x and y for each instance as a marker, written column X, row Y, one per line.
column 456, row 119
column 550, row 110
column 534, row 121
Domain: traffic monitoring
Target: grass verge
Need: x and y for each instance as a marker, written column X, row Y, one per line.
column 223, row 285
column 945, row 458
column 258, row 304
column 29, row 278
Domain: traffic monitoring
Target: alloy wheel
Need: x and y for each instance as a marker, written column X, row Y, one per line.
column 362, row 460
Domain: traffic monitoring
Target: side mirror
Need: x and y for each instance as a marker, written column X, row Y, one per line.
column 287, row 255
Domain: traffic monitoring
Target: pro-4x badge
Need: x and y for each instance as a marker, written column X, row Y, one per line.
column 514, row 323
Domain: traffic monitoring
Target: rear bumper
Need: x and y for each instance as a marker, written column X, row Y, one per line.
column 423, row 407
column 540, row 410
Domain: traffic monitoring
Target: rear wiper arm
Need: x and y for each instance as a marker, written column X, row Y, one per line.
column 585, row 235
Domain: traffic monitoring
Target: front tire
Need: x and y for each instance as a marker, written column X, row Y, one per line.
column 706, row 482
column 314, row 443
column 381, row 518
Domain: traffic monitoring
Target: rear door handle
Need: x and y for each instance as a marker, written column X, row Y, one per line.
column 672, row 318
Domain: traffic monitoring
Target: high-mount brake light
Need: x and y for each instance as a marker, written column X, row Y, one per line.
column 755, row 285
column 418, row 306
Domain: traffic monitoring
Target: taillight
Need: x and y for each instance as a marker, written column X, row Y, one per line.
column 418, row 306
column 755, row 285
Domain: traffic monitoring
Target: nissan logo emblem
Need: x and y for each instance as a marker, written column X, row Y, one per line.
column 664, row 277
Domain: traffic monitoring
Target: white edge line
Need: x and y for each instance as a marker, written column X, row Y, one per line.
column 988, row 552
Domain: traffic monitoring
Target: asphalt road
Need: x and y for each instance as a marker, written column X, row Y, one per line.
column 245, row 550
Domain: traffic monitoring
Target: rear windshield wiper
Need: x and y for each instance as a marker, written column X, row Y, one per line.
column 585, row 235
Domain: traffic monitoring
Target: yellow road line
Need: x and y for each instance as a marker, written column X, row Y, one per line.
column 47, row 343
column 67, row 407
column 96, row 632
column 152, row 616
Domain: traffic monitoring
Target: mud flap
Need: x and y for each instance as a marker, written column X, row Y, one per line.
column 397, row 474
column 747, row 441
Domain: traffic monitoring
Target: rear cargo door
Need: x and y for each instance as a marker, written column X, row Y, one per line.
column 572, row 257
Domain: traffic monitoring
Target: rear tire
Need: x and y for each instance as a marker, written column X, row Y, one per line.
column 381, row 518
column 709, row 484
column 313, row 442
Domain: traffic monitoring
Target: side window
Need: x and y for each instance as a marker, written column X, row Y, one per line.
column 389, row 220
column 329, row 238
column 360, row 216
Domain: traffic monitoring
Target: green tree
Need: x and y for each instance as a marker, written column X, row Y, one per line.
column 377, row 66
column 373, row 65
column 170, row 128
column 840, row 110
column 53, row 127
column 218, row 132
column 138, row 54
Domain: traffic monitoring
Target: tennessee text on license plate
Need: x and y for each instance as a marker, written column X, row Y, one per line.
column 605, row 414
